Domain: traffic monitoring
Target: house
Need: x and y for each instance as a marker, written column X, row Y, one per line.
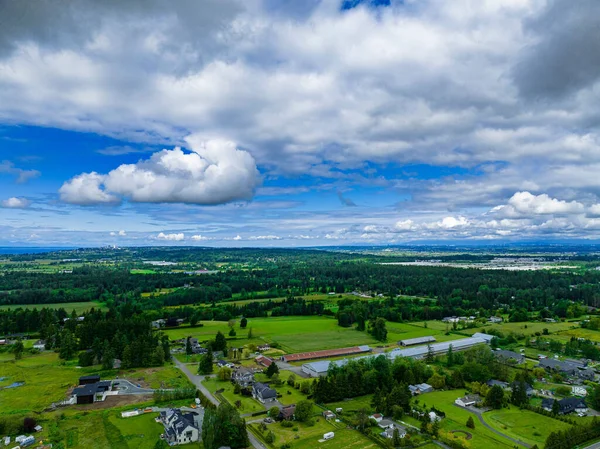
column 420, row 389
column 40, row 345
column 180, row 428
column 565, row 368
column 578, row 391
column 263, row 348
column 495, row 319
column 468, row 401
column 587, row 374
column 222, row 363
column 433, row 417
column 389, row 431
column 528, row 388
column 243, row 377
column 287, row 413
column 263, row 393
column 88, row 380
column 566, row 405
column 491, row 383
column 509, row 356
column 263, row 360
column 377, row 417
column 385, row 423
column 157, row 324
column 451, row 319
column 328, row 414
column 90, row 393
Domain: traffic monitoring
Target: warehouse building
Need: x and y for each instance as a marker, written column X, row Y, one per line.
column 416, row 341
column 320, row 368
column 325, row 353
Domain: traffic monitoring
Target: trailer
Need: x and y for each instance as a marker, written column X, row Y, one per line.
column 328, row 436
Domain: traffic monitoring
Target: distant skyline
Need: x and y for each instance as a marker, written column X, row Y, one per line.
column 299, row 123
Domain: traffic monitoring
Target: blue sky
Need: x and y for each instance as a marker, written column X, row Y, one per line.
column 273, row 122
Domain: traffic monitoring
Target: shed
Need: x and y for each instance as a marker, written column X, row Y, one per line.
column 88, row 380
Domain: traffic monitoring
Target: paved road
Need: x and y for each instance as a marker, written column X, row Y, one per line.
column 481, row 420
column 197, row 381
column 593, row 446
column 297, row 370
column 126, row 387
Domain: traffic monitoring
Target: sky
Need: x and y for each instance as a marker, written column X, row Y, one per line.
column 298, row 123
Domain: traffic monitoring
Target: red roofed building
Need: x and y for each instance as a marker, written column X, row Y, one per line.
column 263, row 360
column 325, row 353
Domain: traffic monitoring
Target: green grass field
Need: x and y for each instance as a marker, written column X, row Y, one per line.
column 524, row 425
column 566, row 335
column 294, row 334
column 249, row 405
column 308, row 437
column 142, row 271
column 456, row 419
column 79, row 307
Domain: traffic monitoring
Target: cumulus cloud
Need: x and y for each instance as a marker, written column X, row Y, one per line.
column 171, row 237
column 15, row 203
column 237, row 237
column 525, row 204
column 121, row 233
column 199, row 237
column 214, row 172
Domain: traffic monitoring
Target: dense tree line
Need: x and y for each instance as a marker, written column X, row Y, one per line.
column 574, row 436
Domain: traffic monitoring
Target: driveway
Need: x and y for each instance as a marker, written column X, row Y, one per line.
column 126, row 387
column 297, row 370
column 197, row 381
column 481, row 420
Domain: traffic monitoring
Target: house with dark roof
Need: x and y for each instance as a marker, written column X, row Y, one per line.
column 180, row 428
column 263, row 393
column 528, row 388
column 243, row 377
column 85, row 380
column 287, row 413
column 565, row 368
column 566, row 405
column 587, row 374
column 90, row 393
column 509, row 356
column 389, row 431
column 491, row 383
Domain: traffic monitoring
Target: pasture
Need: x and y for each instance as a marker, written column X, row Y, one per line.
column 294, row 334
column 588, row 334
column 78, row 307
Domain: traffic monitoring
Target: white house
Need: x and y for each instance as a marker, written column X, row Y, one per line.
column 468, row 400
column 578, row 391
column 377, row 417
column 180, row 428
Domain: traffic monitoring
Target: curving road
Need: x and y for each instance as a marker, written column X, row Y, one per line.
column 482, row 421
column 197, row 381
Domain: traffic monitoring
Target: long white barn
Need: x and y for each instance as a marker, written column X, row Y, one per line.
column 320, row 368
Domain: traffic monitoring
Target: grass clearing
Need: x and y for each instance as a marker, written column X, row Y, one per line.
column 249, row 405
column 524, row 425
column 294, row 334
column 79, row 307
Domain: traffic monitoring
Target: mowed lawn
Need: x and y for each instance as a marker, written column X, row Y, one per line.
column 294, row 334
column 308, row 437
column 524, row 425
column 79, row 307
column 456, row 419
column 404, row 331
column 578, row 333
column 249, row 405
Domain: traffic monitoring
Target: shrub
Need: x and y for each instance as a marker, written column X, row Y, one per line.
column 287, row 424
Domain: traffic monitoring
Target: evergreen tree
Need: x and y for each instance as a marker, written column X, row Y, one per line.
column 224, row 427
column 495, row 397
column 158, row 356
column 449, row 357
column 127, row 359
column 271, row 370
column 220, row 344
column 304, row 410
column 470, row 423
column 555, row 408
column 396, row 437
column 188, row 346
column 243, row 323
column 206, row 363
column 68, row 345
column 250, row 334
column 107, row 359
column 430, row 357
column 519, row 394
column 166, row 347
column 232, row 332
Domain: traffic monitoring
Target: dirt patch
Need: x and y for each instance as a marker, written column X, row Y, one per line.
column 139, row 377
column 467, row 435
column 115, row 401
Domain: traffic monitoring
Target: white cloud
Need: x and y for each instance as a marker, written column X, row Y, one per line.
column 237, row 237
column 214, row 172
column 525, row 204
column 22, row 175
column 264, row 237
column 15, row 203
column 200, row 237
column 121, row 233
column 171, row 237
column 405, row 225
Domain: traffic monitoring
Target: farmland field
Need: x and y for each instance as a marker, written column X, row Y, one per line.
column 294, row 334
column 79, row 307
column 577, row 333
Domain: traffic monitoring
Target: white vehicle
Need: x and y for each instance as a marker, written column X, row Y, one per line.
column 197, row 401
column 328, row 436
